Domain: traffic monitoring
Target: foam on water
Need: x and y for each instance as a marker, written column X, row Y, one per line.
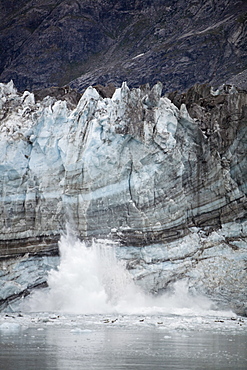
column 90, row 280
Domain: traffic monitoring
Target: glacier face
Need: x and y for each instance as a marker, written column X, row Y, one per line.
column 136, row 169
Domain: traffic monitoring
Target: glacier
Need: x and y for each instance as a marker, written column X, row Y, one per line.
column 164, row 181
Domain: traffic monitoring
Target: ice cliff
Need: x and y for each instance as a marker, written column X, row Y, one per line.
column 135, row 169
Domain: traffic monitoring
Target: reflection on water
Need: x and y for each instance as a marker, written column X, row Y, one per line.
column 126, row 342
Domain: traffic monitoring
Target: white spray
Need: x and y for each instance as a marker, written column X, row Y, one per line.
column 90, row 280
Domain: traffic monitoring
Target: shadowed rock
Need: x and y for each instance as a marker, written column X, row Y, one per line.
column 180, row 43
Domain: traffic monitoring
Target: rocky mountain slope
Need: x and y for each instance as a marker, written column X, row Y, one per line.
column 53, row 42
column 168, row 186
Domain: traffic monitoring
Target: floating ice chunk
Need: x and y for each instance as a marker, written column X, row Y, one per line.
column 80, row 331
column 10, row 326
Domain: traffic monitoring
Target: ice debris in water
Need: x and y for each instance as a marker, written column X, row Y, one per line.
column 10, row 326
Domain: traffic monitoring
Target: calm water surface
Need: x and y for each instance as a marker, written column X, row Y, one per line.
column 123, row 342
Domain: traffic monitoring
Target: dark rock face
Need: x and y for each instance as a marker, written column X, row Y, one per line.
column 221, row 118
column 52, row 42
column 72, row 97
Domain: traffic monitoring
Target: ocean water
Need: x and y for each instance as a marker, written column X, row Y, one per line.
column 54, row 341
column 93, row 316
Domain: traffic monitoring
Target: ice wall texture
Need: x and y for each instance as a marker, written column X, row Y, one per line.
column 136, row 169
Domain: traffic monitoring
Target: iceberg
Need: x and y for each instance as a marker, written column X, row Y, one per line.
column 163, row 181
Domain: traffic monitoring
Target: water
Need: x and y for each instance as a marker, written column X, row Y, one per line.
column 51, row 341
column 93, row 316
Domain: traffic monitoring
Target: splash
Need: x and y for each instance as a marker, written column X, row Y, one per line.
column 90, row 280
